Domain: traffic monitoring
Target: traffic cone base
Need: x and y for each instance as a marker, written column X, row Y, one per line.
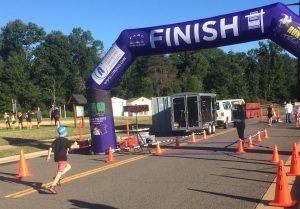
column 23, row 169
column 110, row 157
column 282, row 193
column 290, row 204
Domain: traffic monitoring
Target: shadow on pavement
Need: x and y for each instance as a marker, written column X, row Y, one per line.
column 248, row 199
column 35, row 185
column 83, row 204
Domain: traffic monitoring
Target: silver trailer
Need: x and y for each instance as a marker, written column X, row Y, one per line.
column 184, row 112
column 192, row 112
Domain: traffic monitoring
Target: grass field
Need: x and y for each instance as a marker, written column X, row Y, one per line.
column 48, row 131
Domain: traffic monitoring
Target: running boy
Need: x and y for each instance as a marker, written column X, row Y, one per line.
column 60, row 147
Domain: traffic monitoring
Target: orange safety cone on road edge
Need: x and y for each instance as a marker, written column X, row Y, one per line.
column 266, row 135
column 110, row 157
column 177, row 142
column 250, row 144
column 275, row 158
column 193, row 138
column 282, row 194
column 258, row 137
column 295, row 166
column 158, row 150
column 240, row 147
column 204, row 135
column 23, row 169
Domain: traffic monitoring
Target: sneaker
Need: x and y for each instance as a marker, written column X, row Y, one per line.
column 52, row 189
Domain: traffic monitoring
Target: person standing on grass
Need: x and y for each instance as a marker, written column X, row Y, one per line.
column 6, row 120
column 20, row 120
column 38, row 115
column 60, row 146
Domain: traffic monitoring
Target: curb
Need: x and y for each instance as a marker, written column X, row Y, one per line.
column 27, row 156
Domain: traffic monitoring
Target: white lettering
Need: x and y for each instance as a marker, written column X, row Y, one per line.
column 185, row 37
column 168, row 37
column 212, row 31
column 196, row 32
column 234, row 26
column 154, row 38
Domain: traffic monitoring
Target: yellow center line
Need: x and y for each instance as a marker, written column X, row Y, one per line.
column 76, row 176
column 90, row 172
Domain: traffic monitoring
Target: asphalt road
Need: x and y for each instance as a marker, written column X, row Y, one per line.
column 201, row 175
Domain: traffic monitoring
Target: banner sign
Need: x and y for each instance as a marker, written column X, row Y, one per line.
column 276, row 22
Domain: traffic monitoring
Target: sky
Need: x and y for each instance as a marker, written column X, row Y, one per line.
column 106, row 19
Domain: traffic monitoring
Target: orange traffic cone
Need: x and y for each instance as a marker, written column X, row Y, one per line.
column 193, row 138
column 278, row 116
column 266, row 135
column 158, row 150
column 23, row 169
column 110, row 157
column 295, row 166
column 282, row 194
column 275, row 158
column 240, row 147
column 204, row 135
column 250, row 144
column 258, row 137
column 177, row 142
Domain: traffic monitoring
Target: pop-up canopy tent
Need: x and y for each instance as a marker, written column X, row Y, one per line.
column 275, row 22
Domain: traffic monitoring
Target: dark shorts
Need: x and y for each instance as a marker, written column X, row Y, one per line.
column 270, row 115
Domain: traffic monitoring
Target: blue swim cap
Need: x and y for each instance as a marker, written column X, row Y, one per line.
column 62, row 131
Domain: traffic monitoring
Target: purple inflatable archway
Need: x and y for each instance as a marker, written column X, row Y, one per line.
column 275, row 22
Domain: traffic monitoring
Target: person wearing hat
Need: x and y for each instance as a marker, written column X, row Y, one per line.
column 60, row 146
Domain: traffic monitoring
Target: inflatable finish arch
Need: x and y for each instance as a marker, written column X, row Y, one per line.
column 275, row 22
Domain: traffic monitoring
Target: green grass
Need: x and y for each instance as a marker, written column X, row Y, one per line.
column 17, row 136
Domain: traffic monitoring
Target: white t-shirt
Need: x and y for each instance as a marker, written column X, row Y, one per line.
column 288, row 108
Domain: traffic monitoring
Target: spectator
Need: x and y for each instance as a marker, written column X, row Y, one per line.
column 297, row 116
column 38, row 114
column 28, row 119
column 51, row 113
column 6, row 120
column 270, row 114
column 13, row 120
column 288, row 111
column 20, row 120
column 240, row 121
column 56, row 114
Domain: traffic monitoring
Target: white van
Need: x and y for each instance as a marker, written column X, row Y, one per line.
column 224, row 111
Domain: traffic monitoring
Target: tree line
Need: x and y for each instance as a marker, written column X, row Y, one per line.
column 39, row 69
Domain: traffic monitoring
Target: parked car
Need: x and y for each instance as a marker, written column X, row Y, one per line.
column 225, row 111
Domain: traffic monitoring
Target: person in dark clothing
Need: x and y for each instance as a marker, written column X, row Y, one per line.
column 270, row 112
column 240, row 121
column 60, row 146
